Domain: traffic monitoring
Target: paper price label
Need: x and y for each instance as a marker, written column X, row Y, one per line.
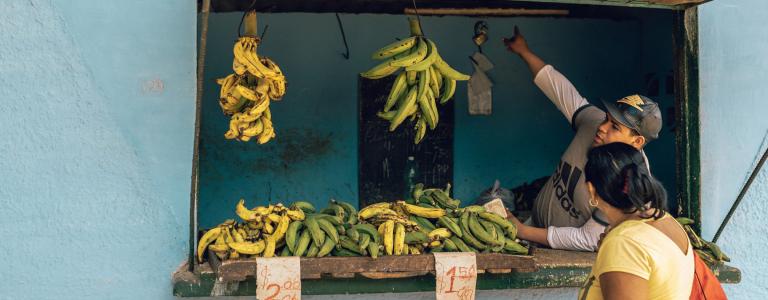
column 496, row 206
column 278, row 278
column 456, row 276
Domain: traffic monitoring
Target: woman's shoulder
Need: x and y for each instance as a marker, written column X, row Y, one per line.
column 631, row 230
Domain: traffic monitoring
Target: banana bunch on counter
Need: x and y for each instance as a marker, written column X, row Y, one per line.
column 264, row 231
column 430, row 221
column 425, row 80
column 246, row 94
column 708, row 251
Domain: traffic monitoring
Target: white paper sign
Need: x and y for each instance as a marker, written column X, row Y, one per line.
column 278, row 278
column 496, row 206
column 456, row 275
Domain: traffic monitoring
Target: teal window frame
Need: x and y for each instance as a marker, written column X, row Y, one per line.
column 194, row 280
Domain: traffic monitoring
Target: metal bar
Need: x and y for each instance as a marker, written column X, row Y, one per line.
column 481, row 11
column 196, row 154
column 743, row 192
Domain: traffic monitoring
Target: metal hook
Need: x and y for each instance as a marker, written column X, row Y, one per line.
column 343, row 37
column 481, row 34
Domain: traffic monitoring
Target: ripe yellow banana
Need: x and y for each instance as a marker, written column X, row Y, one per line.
column 416, row 55
column 429, row 213
column 389, row 237
column 282, row 227
column 399, row 239
column 269, row 249
column 439, row 234
column 245, row 213
column 380, row 71
column 371, row 211
column 205, row 240
column 394, row 48
column 427, row 62
column 296, row 214
column 248, row 248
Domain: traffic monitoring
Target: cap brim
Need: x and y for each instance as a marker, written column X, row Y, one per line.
column 614, row 111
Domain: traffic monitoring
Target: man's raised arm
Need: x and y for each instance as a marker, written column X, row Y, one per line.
column 553, row 84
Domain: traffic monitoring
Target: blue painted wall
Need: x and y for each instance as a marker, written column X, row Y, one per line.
column 314, row 156
column 733, row 71
column 97, row 130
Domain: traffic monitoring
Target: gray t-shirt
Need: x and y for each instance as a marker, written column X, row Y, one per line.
column 564, row 201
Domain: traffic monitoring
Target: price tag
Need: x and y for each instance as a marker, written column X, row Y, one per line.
column 456, row 275
column 496, row 206
column 278, row 278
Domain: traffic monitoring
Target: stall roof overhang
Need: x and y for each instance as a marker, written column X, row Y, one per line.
column 576, row 7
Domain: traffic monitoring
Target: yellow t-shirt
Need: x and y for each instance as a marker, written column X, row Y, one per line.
column 637, row 248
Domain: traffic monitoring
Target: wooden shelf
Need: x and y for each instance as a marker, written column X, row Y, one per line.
column 340, row 275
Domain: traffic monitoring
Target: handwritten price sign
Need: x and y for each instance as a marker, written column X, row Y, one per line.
column 456, row 275
column 278, row 278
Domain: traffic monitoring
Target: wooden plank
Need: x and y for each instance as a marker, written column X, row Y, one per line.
column 561, row 258
column 390, row 275
column 485, row 11
column 678, row 2
column 240, row 269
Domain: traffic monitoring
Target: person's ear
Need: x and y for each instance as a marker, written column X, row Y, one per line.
column 638, row 142
column 591, row 190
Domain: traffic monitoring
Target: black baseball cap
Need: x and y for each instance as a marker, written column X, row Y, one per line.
column 639, row 113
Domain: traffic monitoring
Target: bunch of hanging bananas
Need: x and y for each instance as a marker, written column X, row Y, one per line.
column 430, row 221
column 708, row 251
column 427, row 78
column 247, row 93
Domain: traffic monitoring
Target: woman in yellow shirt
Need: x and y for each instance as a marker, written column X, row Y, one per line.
column 646, row 254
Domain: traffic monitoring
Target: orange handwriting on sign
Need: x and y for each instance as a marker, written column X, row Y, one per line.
column 278, row 279
column 465, row 273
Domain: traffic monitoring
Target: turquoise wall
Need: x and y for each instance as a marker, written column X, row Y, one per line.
column 97, row 130
column 314, row 156
column 733, row 70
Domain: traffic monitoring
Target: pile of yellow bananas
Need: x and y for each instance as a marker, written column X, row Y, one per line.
column 246, row 94
column 708, row 251
column 430, row 221
column 426, row 78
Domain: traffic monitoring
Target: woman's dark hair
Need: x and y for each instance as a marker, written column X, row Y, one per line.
column 620, row 176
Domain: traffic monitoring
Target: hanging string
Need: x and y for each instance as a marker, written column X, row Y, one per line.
column 418, row 19
column 245, row 12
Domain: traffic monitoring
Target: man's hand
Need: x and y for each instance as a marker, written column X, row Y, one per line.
column 511, row 217
column 517, row 44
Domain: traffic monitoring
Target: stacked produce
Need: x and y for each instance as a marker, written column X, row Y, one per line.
column 708, row 251
column 429, row 222
column 246, row 94
column 426, row 79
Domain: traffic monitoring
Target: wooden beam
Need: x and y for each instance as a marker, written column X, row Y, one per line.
column 412, row 265
column 484, row 11
column 556, row 268
column 677, row 2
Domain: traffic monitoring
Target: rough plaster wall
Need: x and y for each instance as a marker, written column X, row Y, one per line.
column 96, row 123
column 733, row 71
